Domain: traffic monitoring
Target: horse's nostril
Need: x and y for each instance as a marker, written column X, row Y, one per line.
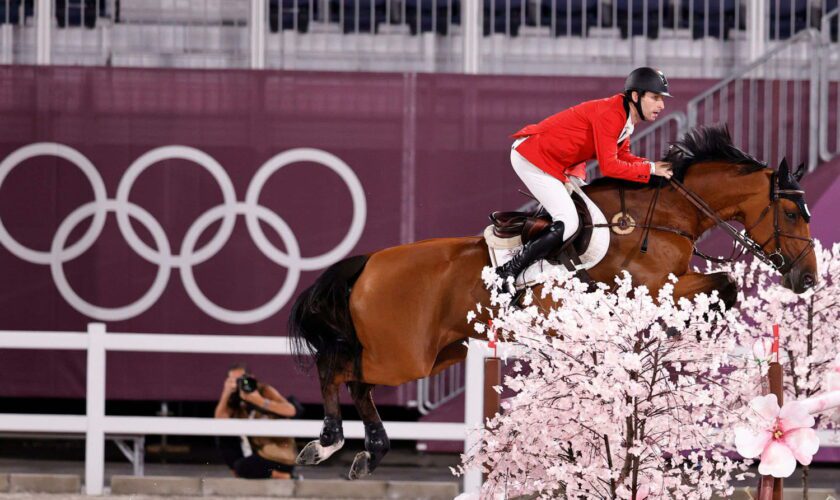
column 808, row 281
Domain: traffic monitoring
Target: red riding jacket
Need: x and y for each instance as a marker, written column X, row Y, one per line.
column 560, row 144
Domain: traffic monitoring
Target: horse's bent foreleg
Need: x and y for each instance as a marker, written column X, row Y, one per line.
column 332, row 433
column 692, row 284
column 377, row 443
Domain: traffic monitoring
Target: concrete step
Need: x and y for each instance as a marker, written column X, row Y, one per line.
column 317, row 488
column 233, row 487
column 155, row 485
column 42, row 483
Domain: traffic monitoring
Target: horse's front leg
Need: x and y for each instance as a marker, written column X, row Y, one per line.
column 692, row 284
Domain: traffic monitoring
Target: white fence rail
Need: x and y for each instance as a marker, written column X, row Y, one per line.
column 95, row 424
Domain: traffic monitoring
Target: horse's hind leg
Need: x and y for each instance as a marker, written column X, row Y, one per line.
column 377, row 443
column 332, row 433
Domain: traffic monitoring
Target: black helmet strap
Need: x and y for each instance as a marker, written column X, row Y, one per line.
column 637, row 104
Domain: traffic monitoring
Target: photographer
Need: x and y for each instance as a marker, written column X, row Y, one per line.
column 255, row 457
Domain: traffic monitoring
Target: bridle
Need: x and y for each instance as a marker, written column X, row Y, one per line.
column 774, row 258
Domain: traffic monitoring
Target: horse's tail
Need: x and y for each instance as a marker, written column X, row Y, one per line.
column 320, row 324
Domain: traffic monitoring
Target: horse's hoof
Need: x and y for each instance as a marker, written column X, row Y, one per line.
column 360, row 466
column 313, row 453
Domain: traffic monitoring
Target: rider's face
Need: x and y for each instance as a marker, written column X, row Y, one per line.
column 652, row 105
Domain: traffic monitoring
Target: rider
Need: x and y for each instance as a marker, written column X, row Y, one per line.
column 546, row 154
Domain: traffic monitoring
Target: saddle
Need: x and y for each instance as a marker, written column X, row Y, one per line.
column 529, row 225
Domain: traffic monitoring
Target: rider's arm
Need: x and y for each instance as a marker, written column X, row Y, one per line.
column 625, row 154
column 605, row 130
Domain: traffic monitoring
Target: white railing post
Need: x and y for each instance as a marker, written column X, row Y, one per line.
column 816, row 50
column 473, row 408
column 257, row 29
column 757, row 25
column 471, row 28
column 95, row 438
column 43, row 20
column 825, row 50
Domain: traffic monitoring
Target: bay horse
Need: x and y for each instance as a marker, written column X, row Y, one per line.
column 399, row 314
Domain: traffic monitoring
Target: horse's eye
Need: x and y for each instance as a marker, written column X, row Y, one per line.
column 790, row 215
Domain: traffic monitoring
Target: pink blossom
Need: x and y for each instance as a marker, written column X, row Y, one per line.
column 832, row 378
column 784, row 436
column 826, row 401
column 762, row 350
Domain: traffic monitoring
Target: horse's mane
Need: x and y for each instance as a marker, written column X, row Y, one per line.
column 702, row 144
column 707, row 144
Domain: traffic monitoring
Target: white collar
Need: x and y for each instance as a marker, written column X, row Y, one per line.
column 627, row 130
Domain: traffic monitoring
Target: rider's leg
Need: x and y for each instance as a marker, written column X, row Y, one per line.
column 554, row 197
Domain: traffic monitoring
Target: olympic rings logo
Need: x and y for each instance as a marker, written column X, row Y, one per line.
column 189, row 255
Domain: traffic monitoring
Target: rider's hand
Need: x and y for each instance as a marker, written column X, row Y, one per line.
column 663, row 169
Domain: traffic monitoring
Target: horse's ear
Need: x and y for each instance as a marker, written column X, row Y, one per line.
column 784, row 169
column 800, row 171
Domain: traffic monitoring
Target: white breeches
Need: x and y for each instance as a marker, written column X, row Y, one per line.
column 552, row 193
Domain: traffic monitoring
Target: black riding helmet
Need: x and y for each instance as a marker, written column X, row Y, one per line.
column 645, row 80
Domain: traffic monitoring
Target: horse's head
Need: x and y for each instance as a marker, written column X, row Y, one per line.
column 781, row 229
column 769, row 203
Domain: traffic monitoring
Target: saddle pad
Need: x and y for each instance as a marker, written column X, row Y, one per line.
column 503, row 249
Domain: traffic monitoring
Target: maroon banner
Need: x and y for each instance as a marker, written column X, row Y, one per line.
column 203, row 202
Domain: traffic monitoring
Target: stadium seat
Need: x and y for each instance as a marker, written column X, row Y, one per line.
column 357, row 16
column 434, row 15
column 571, row 17
column 631, row 17
column 712, row 18
column 78, row 12
column 10, row 10
column 834, row 24
column 787, row 17
column 290, row 14
column 503, row 16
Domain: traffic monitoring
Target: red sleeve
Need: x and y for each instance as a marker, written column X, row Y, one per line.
column 605, row 129
column 625, row 154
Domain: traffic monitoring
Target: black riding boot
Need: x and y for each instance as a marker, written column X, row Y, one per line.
column 532, row 251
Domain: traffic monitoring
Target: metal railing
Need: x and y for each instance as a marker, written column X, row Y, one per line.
column 583, row 37
column 829, row 104
column 770, row 105
column 433, row 392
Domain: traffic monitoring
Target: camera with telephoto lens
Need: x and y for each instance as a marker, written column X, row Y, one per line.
column 246, row 384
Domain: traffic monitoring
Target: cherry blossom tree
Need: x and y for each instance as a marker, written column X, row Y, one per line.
column 618, row 394
column 810, row 328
